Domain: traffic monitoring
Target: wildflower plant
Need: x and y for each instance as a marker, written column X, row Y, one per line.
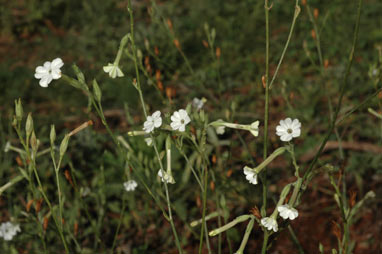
column 181, row 143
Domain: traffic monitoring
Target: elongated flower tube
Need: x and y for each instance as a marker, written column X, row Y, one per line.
column 229, row 225
column 253, row 127
column 268, row 160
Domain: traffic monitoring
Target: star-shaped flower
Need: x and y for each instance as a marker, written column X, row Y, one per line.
column 179, row 120
column 250, row 175
column 287, row 212
column 113, row 70
column 270, row 223
column 130, row 185
column 288, row 129
column 49, row 71
column 152, row 122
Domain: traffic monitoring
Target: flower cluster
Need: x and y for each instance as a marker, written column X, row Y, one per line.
column 179, row 120
column 8, row 230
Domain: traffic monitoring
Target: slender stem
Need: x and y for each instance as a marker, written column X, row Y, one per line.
column 296, row 13
column 317, row 39
column 265, row 242
column 119, row 224
column 266, row 113
column 295, row 240
column 359, row 106
column 342, row 92
column 246, row 236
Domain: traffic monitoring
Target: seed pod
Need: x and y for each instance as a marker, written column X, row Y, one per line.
column 29, row 125
column 97, row 91
column 19, row 110
column 52, row 135
column 64, row 145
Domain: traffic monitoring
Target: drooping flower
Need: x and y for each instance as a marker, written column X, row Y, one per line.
column 130, row 185
column 179, row 120
column 220, row 130
column 165, row 177
column 8, row 230
column 113, row 70
column 288, row 129
column 152, row 122
column 49, row 71
column 287, row 212
column 220, row 125
column 149, row 141
column 198, row 103
column 270, row 223
column 250, row 175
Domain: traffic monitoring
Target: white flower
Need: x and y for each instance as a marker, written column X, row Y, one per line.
column 49, row 71
column 8, row 230
column 220, row 130
column 179, row 120
column 287, row 212
column 250, row 175
column 153, row 121
column 149, row 141
column 254, row 128
column 269, row 223
column 165, row 177
column 113, row 70
column 288, row 129
column 130, row 185
column 198, row 103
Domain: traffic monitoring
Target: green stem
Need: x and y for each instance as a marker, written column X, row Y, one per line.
column 342, row 92
column 246, row 236
column 265, row 242
column 119, row 224
column 266, row 113
column 296, row 13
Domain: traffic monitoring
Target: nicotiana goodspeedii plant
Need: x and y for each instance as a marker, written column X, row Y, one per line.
column 185, row 129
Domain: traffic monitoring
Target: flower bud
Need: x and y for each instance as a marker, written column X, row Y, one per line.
column 19, row 110
column 64, row 145
column 52, row 135
column 29, row 125
column 34, row 142
column 97, row 91
column 79, row 74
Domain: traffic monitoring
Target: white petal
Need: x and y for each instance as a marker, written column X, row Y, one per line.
column 158, row 122
column 288, row 121
column 175, row 125
column 296, row 133
column 187, row 119
column 286, row 137
column 183, row 113
column 119, row 72
column 57, row 63
column 156, row 114
column 47, row 65
column 44, row 82
column 56, row 74
column 41, row 70
column 108, row 68
column 296, row 124
column 182, row 128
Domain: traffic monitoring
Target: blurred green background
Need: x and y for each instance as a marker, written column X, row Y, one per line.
column 87, row 33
